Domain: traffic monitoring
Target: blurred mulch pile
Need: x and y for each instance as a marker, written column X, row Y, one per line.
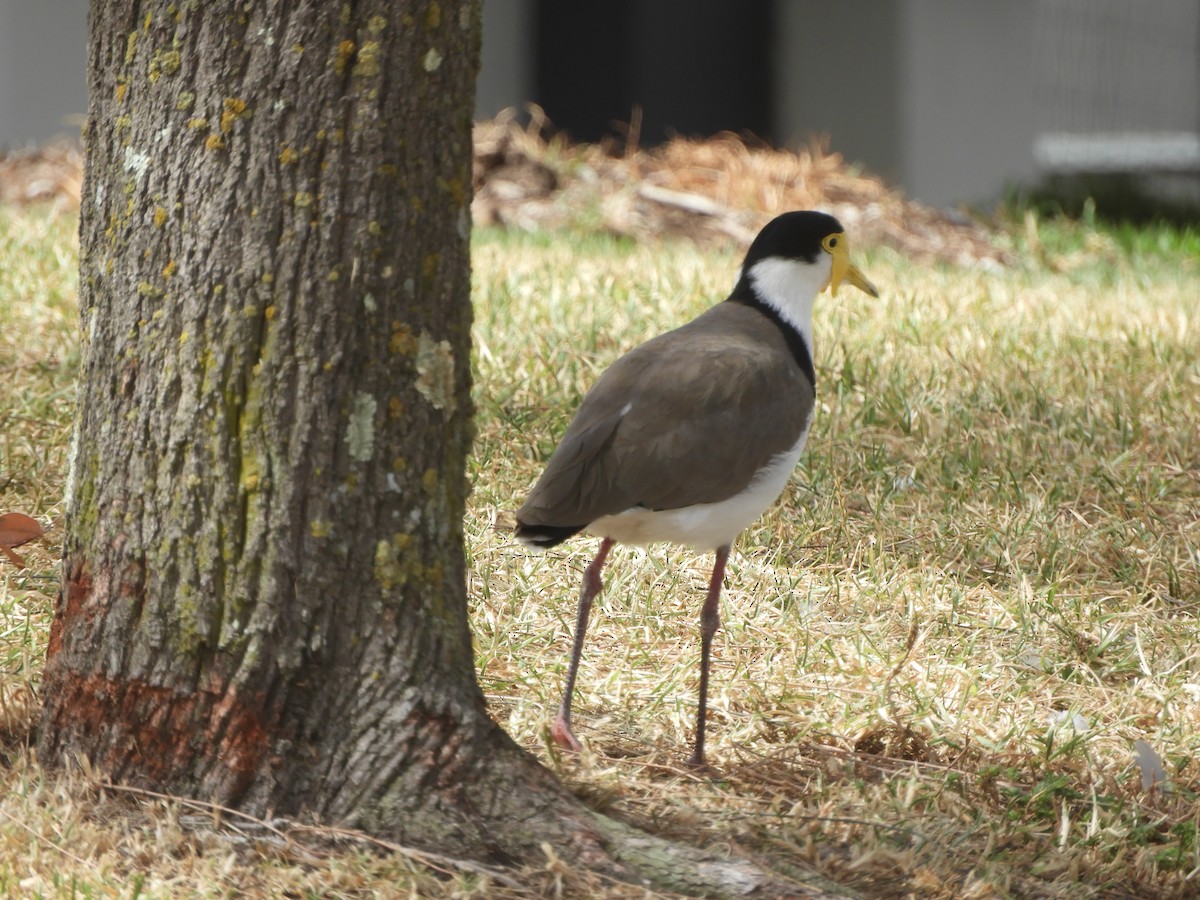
column 52, row 173
column 710, row 191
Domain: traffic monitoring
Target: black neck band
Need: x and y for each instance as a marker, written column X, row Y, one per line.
column 745, row 295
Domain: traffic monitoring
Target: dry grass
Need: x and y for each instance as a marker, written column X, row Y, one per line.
column 981, row 589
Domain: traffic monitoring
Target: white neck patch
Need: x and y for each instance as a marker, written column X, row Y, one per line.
column 790, row 286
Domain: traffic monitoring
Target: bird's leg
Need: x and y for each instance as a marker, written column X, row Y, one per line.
column 710, row 621
column 563, row 736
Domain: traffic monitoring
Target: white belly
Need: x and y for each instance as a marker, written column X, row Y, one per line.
column 704, row 526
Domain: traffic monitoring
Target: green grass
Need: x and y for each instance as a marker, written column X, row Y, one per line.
column 995, row 529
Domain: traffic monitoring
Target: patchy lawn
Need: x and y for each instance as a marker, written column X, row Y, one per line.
column 939, row 652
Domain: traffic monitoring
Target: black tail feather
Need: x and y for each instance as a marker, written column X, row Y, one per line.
column 545, row 535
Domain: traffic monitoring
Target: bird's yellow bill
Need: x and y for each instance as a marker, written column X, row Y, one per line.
column 844, row 270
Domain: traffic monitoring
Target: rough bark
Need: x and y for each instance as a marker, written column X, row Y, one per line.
column 263, row 596
column 263, row 600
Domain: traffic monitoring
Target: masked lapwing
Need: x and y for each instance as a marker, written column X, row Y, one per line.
column 691, row 436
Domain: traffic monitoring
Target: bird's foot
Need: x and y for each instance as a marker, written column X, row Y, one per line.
column 700, row 767
column 564, row 737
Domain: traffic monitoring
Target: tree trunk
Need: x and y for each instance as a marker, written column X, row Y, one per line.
column 263, row 597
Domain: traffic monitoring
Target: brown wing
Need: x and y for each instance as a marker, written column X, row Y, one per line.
column 686, row 418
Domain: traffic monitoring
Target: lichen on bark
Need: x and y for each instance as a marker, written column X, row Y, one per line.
column 238, row 426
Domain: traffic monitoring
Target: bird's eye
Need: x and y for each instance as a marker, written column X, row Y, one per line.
column 833, row 242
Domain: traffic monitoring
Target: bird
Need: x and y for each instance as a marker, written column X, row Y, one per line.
column 691, row 436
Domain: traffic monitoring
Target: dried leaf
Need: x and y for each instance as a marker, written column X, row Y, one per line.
column 17, row 529
column 15, row 558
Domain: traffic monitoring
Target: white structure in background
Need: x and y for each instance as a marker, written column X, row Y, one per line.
column 43, row 65
column 950, row 99
column 956, row 99
column 1119, row 91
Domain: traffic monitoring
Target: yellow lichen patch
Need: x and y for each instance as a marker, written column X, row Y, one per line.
column 429, row 267
column 214, row 142
column 454, row 187
column 288, row 156
column 393, row 564
column 164, row 62
column 429, row 480
column 345, row 50
column 183, row 338
column 270, row 312
column 334, row 274
column 267, row 278
column 432, row 60
column 400, row 464
column 395, row 411
column 146, row 289
column 297, row 48
column 402, row 340
column 319, row 528
column 160, row 217
column 119, row 93
column 131, row 47
column 433, row 15
column 232, row 110
column 302, row 199
column 374, row 228
column 197, row 122
column 185, row 100
column 377, row 24
column 169, row 269
column 250, row 481
column 368, row 60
